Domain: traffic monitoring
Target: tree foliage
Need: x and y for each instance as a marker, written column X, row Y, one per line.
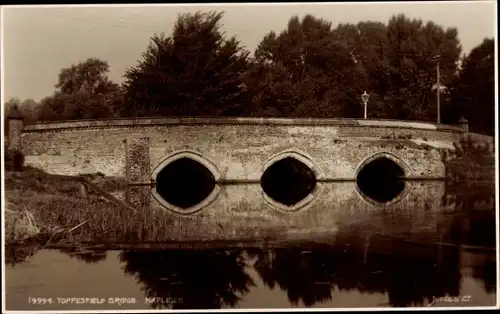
column 311, row 69
column 413, row 47
column 196, row 71
column 10, row 104
column 30, row 110
column 84, row 91
column 304, row 71
column 473, row 93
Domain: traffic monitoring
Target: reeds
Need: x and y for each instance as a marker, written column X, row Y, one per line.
column 20, row 225
column 50, row 211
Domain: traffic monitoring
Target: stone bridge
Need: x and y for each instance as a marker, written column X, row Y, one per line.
column 233, row 157
column 232, row 150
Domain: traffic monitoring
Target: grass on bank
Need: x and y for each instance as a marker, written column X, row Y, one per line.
column 41, row 209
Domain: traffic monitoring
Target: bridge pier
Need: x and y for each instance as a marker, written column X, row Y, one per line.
column 138, row 171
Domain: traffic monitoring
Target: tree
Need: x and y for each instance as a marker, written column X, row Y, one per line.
column 314, row 70
column 89, row 76
column 368, row 46
column 30, row 110
column 196, row 71
column 304, row 71
column 413, row 46
column 84, row 91
column 473, row 93
column 11, row 103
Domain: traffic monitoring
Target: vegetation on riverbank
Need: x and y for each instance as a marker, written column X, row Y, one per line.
column 47, row 210
column 474, row 159
column 51, row 211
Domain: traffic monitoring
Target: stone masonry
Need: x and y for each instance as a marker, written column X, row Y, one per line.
column 238, row 147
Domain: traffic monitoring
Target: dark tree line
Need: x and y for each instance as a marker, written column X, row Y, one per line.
column 310, row 69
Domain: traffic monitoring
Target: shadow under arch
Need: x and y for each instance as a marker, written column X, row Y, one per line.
column 307, row 161
column 394, row 162
column 197, row 157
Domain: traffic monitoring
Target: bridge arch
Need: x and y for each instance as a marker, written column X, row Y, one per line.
column 305, row 160
column 300, row 156
column 398, row 161
column 396, row 189
column 203, row 161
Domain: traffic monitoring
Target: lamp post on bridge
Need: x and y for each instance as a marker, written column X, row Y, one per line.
column 365, row 98
column 438, row 87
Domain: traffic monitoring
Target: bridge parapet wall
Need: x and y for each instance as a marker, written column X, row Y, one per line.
column 238, row 147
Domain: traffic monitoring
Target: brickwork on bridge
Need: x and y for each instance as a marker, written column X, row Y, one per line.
column 238, row 148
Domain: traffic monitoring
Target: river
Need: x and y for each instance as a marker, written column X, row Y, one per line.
column 435, row 246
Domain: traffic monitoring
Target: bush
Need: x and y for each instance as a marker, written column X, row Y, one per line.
column 14, row 160
column 474, row 149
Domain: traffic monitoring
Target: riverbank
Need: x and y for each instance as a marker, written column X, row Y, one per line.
column 43, row 209
column 470, row 169
column 473, row 160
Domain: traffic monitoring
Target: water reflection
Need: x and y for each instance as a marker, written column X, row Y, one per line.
column 436, row 241
column 89, row 256
column 487, row 274
column 202, row 280
column 19, row 254
column 473, row 209
column 310, row 277
column 241, row 213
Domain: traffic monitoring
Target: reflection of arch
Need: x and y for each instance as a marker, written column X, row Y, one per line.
column 390, row 156
column 300, row 205
column 400, row 163
column 306, row 161
column 397, row 199
column 198, row 158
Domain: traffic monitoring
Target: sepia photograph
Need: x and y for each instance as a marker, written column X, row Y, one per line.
column 251, row 156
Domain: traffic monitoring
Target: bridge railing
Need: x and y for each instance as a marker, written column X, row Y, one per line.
column 144, row 121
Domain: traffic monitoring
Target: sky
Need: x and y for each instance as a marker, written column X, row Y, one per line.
column 38, row 41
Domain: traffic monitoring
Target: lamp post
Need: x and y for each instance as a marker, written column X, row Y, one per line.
column 365, row 98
